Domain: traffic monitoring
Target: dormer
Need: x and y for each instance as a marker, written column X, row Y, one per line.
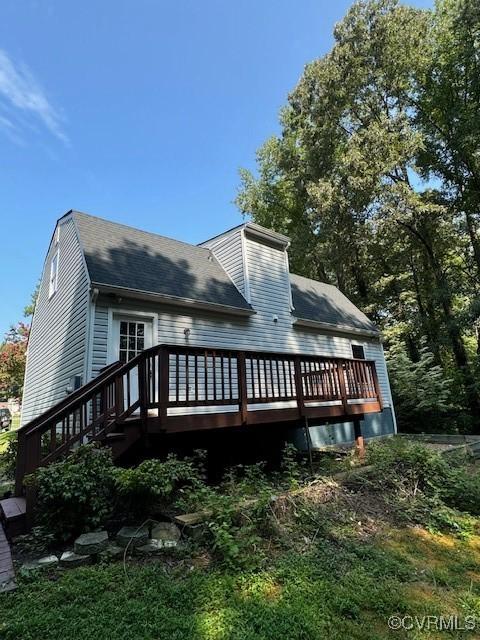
column 251, row 255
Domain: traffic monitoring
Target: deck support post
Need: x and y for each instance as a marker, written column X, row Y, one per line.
column 299, row 385
column 308, row 440
column 163, row 384
column 242, row 387
column 359, row 441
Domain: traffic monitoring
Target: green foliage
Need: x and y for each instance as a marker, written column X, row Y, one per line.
column 239, row 513
column 154, row 484
column 421, row 390
column 76, row 494
column 375, row 178
column 423, row 486
column 8, row 456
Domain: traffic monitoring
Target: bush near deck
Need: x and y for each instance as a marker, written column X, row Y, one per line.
column 391, row 542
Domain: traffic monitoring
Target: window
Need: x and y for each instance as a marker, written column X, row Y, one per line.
column 53, row 275
column 132, row 339
column 358, row 352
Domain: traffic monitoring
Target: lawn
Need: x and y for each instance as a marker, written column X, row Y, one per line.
column 344, row 590
column 332, row 561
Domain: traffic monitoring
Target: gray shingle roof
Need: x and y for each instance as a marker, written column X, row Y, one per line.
column 121, row 256
column 320, row 302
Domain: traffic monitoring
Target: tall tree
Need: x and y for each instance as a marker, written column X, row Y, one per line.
column 350, row 179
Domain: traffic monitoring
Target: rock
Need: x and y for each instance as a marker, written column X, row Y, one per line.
column 112, row 552
column 70, row 559
column 166, row 531
column 152, row 548
column 90, row 543
column 8, row 585
column 48, row 561
column 132, row 537
column 42, row 563
column 169, row 544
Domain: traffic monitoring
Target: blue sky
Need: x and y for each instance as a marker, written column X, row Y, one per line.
column 140, row 111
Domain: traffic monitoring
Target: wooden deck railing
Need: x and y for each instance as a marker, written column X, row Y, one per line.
column 176, row 387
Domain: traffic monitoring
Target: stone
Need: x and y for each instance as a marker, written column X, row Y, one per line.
column 91, row 543
column 69, row 559
column 132, row 537
column 166, row 531
column 112, row 552
column 48, row 561
column 42, row 563
column 8, row 585
column 152, row 548
column 169, row 544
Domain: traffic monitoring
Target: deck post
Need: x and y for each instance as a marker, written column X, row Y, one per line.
column 163, row 384
column 299, row 385
column 342, row 372
column 142, row 392
column 242, row 387
column 359, row 441
column 306, row 428
column 377, row 387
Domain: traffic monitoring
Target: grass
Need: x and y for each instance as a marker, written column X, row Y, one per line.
column 332, row 569
column 335, row 590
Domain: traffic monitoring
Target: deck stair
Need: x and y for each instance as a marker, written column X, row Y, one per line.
column 172, row 389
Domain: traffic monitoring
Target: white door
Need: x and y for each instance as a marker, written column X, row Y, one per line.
column 131, row 335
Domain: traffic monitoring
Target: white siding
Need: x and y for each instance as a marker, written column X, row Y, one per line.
column 269, row 289
column 56, row 350
column 229, row 252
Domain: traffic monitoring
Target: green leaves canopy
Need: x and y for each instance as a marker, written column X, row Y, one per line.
column 374, row 177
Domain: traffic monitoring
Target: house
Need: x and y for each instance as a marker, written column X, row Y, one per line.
column 131, row 327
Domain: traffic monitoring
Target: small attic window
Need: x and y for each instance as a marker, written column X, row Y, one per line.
column 358, row 352
column 57, row 234
column 53, row 282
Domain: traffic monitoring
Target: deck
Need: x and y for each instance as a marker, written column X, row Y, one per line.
column 171, row 389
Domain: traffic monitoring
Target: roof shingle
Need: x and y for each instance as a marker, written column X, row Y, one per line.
column 121, row 256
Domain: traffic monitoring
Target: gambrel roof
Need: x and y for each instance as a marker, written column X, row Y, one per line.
column 119, row 257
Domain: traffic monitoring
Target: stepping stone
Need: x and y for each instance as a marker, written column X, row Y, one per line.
column 47, row 561
column 69, row 559
column 42, row 563
column 132, row 537
column 152, row 548
column 166, row 531
column 90, row 543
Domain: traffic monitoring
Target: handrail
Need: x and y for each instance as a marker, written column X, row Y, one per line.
column 116, row 367
column 184, row 376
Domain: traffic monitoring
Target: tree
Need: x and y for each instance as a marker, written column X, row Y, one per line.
column 362, row 177
column 12, row 361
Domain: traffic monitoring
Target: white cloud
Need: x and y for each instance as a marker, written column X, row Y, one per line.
column 21, row 95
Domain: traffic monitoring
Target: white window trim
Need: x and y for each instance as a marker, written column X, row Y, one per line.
column 112, row 339
column 53, row 284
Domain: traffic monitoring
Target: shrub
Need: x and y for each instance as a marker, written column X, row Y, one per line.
column 154, row 484
column 8, row 458
column 422, row 485
column 75, row 494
